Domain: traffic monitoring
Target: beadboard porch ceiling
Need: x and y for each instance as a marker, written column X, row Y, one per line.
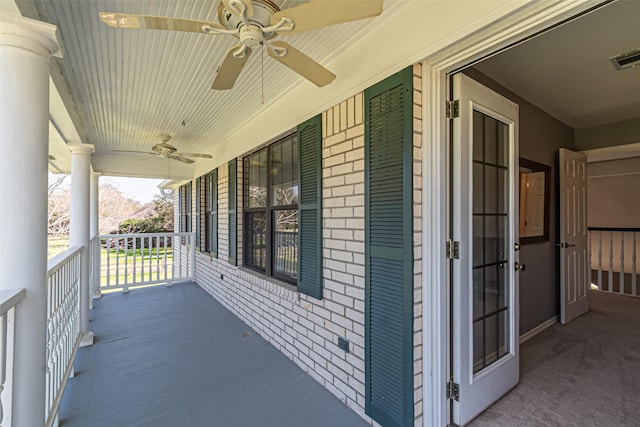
column 122, row 89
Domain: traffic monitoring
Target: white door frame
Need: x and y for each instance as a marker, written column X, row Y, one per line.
column 471, row 45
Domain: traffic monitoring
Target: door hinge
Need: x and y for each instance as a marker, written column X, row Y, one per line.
column 453, row 249
column 453, row 109
column 453, row 391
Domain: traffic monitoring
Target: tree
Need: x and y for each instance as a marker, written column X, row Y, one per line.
column 59, row 205
column 113, row 208
column 164, row 211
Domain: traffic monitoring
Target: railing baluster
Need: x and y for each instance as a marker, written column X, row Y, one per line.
column 156, row 255
column 600, row 260
column 63, row 328
column 621, row 263
column 135, row 257
column 610, row 276
column 109, row 239
column 126, row 260
column 164, row 257
column 634, row 289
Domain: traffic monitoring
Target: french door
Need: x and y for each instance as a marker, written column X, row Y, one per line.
column 484, row 279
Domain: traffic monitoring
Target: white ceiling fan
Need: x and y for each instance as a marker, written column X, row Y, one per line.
column 255, row 23
column 167, row 151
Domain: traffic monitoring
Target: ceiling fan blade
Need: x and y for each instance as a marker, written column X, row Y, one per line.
column 247, row 4
column 146, row 158
column 146, row 22
column 200, row 155
column 229, row 70
column 302, row 64
column 129, row 151
column 322, row 13
column 180, row 158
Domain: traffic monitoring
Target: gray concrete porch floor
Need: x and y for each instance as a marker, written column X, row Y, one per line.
column 176, row 357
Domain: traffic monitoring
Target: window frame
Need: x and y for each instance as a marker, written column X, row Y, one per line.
column 211, row 212
column 269, row 211
column 185, row 203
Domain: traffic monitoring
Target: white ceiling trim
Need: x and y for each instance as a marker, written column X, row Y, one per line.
column 617, row 152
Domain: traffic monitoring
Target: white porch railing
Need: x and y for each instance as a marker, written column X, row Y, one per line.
column 613, row 259
column 124, row 261
column 63, row 326
column 8, row 301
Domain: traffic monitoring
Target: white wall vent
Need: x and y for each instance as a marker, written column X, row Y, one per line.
column 626, row 60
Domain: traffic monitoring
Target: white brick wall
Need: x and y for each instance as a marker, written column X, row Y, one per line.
column 305, row 329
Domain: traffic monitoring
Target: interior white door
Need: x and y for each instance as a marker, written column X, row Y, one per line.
column 574, row 268
column 484, row 340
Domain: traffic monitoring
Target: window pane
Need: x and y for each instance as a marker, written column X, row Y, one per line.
column 285, row 243
column 284, row 173
column 257, row 169
column 256, row 240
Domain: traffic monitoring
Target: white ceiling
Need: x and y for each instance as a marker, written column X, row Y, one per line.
column 568, row 73
column 124, row 88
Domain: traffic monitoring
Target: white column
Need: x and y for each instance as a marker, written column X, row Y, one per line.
column 25, row 47
column 79, row 227
column 94, row 230
column 93, row 205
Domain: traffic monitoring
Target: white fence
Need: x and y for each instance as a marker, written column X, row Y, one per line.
column 63, row 326
column 124, row 261
column 613, row 255
column 9, row 299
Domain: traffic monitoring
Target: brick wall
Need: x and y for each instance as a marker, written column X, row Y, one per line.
column 305, row 329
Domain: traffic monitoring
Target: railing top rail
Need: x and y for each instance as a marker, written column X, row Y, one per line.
column 9, row 298
column 59, row 260
column 135, row 235
column 613, row 229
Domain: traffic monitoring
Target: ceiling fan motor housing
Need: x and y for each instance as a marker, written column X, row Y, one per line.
column 262, row 11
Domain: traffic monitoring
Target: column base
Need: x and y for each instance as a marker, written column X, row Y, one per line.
column 87, row 339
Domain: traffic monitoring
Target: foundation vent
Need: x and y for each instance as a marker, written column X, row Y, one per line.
column 626, row 60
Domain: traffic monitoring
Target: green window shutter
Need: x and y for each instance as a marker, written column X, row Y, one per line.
column 213, row 225
column 233, row 208
column 310, row 207
column 181, row 211
column 389, row 250
column 198, row 212
column 189, row 209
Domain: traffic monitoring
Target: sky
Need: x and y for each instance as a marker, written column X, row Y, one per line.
column 139, row 189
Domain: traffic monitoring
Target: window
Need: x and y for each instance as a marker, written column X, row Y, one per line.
column 271, row 210
column 198, row 214
column 185, row 207
column 211, row 212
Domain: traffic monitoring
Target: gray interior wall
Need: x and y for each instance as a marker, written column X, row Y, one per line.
column 611, row 134
column 614, row 201
column 541, row 136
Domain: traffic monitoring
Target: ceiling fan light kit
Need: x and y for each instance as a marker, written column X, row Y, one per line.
column 165, row 150
column 255, row 23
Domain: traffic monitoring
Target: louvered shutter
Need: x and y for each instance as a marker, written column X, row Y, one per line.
column 310, row 207
column 233, row 205
column 389, row 251
column 213, row 217
column 198, row 213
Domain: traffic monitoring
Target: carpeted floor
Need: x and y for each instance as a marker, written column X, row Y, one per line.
column 584, row 373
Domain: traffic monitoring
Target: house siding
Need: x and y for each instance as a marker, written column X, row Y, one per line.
column 305, row 329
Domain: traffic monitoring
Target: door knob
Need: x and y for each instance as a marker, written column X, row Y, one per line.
column 520, row 267
column 516, row 246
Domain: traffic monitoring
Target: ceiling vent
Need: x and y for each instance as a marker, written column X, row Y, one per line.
column 626, row 60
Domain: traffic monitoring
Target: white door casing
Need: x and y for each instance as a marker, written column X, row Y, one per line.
column 574, row 268
column 483, row 380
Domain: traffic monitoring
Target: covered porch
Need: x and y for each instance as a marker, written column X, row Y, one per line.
column 168, row 356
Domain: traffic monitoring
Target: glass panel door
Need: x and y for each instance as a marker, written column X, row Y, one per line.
column 484, row 290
